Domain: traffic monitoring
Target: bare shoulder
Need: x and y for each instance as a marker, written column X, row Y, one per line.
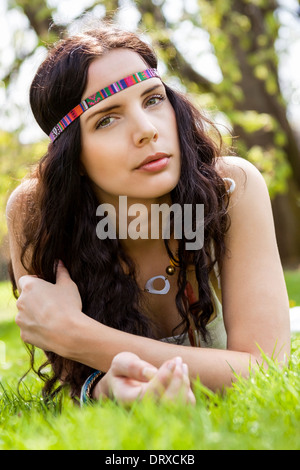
column 254, row 296
column 18, row 200
column 249, row 183
column 238, row 169
column 16, row 213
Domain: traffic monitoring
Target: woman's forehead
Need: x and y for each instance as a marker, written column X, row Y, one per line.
column 107, row 75
column 112, row 67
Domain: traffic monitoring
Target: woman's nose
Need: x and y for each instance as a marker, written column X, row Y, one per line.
column 144, row 131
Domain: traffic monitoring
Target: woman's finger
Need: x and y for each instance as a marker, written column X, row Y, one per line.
column 127, row 364
column 162, row 379
column 180, row 387
column 25, row 281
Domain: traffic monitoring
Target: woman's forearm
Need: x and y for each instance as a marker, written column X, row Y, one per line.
column 96, row 345
column 50, row 317
column 57, row 324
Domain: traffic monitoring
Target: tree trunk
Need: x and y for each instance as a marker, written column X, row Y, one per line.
column 286, row 211
column 286, row 207
column 256, row 97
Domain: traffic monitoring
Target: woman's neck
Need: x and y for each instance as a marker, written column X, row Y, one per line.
column 140, row 224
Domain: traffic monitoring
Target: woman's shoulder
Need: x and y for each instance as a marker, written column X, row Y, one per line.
column 237, row 168
column 17, row 212
column 249, row 182
column 19, row 198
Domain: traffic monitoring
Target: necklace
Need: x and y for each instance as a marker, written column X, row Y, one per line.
column 170, row 271
column 193, row 333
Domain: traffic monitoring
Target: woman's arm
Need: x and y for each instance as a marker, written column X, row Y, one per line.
column 16, row 210
column 58, row 324
column 254, row 295
column 50, row 317
column 254, row 301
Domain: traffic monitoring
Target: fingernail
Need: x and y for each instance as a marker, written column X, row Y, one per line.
column 178, row 361
column 171, row 366
column 185, row 369
column 149, row 372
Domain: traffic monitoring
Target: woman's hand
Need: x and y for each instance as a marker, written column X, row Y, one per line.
column 130, row 378
column 46, row 311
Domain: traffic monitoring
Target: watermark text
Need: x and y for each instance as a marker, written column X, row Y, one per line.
column 135, row 222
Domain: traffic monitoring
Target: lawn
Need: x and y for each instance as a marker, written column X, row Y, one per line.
column 293, row 284
column 260, row 413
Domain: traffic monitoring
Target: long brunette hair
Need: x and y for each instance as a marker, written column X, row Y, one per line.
column 61, row 211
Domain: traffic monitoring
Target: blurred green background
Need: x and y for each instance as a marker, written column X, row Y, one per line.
column 237, row 59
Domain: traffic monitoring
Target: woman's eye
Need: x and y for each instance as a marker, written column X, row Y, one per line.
column 153, row 100
column 105, row 122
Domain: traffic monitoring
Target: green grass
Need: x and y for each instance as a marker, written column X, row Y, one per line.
column 293, row 284
column 260, row 413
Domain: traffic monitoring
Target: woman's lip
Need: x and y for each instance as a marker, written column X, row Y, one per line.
column 149, row 161
column 155, row 165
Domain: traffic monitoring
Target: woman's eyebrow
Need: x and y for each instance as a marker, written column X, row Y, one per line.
column 103, row 110
column 107, row 109
column 153, row 88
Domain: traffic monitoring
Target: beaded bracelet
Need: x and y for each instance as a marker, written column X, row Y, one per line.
column 88, row 386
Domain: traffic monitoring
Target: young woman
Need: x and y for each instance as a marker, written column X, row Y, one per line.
column 149, row 314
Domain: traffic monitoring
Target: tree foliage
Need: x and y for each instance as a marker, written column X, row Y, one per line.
column 15, row 162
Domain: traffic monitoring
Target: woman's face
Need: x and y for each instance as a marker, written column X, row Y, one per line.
column 119, row 133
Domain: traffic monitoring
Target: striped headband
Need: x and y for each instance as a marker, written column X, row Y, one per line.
column 100, row 96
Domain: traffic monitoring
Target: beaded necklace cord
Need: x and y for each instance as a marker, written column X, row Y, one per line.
column 170, row 270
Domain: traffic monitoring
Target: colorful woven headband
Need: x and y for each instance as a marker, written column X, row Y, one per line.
column 100, row 96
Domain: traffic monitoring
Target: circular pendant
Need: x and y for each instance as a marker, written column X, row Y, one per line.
column 149, row 286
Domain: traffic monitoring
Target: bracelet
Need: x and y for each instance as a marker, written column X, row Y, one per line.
column 88, row 386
